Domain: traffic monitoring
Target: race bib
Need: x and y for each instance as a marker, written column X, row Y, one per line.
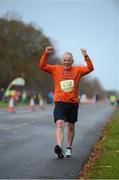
column 67, row 85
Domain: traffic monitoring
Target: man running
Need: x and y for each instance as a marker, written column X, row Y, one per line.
column 66, row 87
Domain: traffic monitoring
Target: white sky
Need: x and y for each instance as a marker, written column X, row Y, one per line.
column 72, row 24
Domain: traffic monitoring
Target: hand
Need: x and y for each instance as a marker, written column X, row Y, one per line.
column 49, row 50
column 84, row 52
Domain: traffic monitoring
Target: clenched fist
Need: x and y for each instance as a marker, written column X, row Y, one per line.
column 49, row 50
column 84, row 52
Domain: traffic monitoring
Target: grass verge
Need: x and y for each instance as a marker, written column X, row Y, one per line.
column 104, row 160
column 5, row 104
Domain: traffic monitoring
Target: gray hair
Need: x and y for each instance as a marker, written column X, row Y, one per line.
column 69, row 54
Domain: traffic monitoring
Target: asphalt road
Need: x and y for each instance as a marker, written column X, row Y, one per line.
column 27, row 141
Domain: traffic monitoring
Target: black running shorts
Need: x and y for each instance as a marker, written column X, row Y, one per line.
column 66, row 111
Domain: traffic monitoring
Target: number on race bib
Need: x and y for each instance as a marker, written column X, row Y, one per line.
column 67, row 85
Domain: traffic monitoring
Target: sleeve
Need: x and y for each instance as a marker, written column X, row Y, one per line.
column 87, row 69
column 43, row 64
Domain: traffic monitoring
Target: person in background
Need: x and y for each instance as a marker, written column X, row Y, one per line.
column 112, row 99
column 66, row 87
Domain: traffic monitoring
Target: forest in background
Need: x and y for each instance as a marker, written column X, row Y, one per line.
column 21, row 47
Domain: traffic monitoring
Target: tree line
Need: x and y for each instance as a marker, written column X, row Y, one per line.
column 21, row 46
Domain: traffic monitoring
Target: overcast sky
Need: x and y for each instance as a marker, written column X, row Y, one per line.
column 72, row 24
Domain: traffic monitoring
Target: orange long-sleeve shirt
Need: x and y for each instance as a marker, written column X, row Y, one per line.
column 66, row 82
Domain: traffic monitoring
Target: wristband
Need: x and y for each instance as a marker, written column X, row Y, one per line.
column 86, row 56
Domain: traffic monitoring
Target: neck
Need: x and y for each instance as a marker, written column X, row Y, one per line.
column 67, row 68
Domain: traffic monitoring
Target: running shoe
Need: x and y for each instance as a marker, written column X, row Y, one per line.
column 68, row 152
column 59, row 151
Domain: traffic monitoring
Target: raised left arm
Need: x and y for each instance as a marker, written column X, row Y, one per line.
column 86, row 69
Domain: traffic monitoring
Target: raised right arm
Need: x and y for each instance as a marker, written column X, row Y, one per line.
column 43, row 61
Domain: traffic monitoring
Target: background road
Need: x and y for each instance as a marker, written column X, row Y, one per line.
column 27, row 141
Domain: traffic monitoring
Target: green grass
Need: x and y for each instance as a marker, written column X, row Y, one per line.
column 104, row 161
column 5, row 104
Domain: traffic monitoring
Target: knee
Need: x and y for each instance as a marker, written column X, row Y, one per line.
column 71, row 128
column 60, row 125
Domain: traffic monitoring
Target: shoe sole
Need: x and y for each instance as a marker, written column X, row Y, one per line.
column 58, row 151
column 69, row 156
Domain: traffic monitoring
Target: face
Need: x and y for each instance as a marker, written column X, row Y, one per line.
column 67, row 61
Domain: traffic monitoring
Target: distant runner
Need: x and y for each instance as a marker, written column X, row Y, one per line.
column 66, row 87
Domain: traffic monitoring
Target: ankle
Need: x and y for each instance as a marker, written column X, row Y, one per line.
column 68, row 147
